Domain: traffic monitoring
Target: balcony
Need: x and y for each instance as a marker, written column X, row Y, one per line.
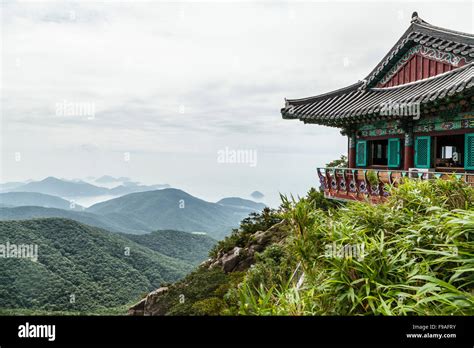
column 371, row 184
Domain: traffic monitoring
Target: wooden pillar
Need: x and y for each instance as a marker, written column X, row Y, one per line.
column 408, row 159
column 351, row 155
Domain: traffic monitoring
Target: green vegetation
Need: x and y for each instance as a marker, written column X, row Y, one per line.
column 99, row 269
column 192, row 248
column 372, row 177
column 206, row 291
column 109, row 224
column 200, row 293
column 110, row 311
column 413, row 255
column 339, row 163
column 251, row 224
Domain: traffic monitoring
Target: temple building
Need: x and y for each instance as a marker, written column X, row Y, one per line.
column 411, row 116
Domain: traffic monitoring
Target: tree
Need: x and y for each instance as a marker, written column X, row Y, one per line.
column 339, row 163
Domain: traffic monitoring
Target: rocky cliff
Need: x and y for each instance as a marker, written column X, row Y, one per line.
column 218, row 270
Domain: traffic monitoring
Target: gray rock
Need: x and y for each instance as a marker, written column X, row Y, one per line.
column 229, row 260
column 147, row 306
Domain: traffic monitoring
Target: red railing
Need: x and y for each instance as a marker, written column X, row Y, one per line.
column 360, row 184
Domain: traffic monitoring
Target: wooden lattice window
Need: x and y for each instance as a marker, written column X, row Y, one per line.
column 423, row 152
column 393, row 153
column 469, row 151
column 361, row 153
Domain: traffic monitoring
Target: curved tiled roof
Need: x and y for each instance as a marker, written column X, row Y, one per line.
column 355, row 103
column 360, row 100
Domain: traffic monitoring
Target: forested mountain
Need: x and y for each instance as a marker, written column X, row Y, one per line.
column 138, row 213
column 96, row 268
column 189, row 247
column 113, row 225
column 173, row 209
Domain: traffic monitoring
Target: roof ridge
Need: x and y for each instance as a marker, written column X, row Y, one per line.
column 442, row 29
column 421, row 27
column 417, row 20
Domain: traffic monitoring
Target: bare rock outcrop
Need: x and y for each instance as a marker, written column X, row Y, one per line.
column 237, row 259
column 241, row 258
column 147, row 305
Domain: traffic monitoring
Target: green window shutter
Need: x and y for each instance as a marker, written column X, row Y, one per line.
column 393, row 153
column 423, row 152
column 469, row 151
column 361, row 153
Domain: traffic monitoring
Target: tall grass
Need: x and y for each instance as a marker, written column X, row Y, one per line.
column 414, row 255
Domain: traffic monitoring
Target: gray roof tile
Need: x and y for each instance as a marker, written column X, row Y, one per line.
column 348, row 106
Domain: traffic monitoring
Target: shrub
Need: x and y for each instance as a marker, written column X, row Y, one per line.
column 209, row 306
column 240, row 237
column 413, row 254
column 339, row 163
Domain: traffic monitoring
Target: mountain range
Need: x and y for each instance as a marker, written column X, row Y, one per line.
column 135, row 213
column 33, row 212
column 83, row 268
column 77, row 188
column 107, row 179
column 82, row 252
column 173, row 209
column 62, row 188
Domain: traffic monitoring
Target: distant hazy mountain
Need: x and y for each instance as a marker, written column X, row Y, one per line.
column 173, row 209
column 241, row 203
column 130, row 188
column 62, row 188
column 186, row 246
column 143, row 212
column 16, row 199
column 257, row 195
column 95, row 267
column 135, row 213
column 10, row 185
column 67, row 188
column 107, row 179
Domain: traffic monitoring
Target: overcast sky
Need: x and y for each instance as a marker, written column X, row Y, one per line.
column 172, row 84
